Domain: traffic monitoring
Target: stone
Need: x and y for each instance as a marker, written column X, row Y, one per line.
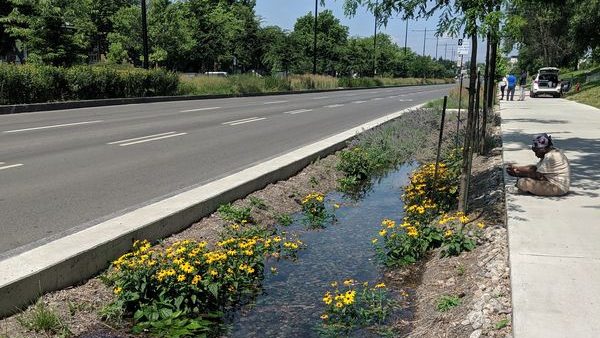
column 475, row 334
column 476, row 319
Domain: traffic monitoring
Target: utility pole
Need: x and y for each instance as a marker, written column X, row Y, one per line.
column 375, row 42
column 437, row 41
column 424, row 38
column 405, row 36
column 315, row 40
column 145, row 34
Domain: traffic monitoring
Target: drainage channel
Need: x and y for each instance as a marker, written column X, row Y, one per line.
column 290, row 304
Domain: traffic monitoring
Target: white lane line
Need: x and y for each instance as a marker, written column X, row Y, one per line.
column 242, row 120
column 321, row 97
column 198, row 109
column 140, row 138
column 274, row 102
column 293, row 112
column 358, row 102
column 334, row 105
column 392, row 97
column 10, row 166
column 246, row 121
column 151, row 139
column 53, row 126
column 405, row 100
column 377, row 99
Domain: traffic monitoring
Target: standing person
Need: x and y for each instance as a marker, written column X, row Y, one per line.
column 502, row 87
column 522, row 83
column 512, row 83
column 550, row 176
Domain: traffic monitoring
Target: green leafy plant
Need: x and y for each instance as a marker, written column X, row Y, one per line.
column 284, row 219
column 405, row 243
column 351, row 305
column 231, row 213
column 502, row 324
column 447, row 302
column 314, row 210
column 177, row 289
column 44, row 318
column 459, row 234
column 258, row 203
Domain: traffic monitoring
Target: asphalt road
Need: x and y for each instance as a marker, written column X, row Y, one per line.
column 61, row 171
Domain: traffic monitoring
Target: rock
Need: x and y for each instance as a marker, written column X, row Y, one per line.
column 476, row 319
column 475, row 334
column 451, row 282
column 465, row 322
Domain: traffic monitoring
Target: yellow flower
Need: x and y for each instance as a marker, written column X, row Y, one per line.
column 180, row 278
column 448, row 233
column 412, row 232
column 334, row 284
column 337, row 206
column 382, row 232
column 118, row 290
column 213, row 272
column 324, row 316
column 464, row 219
column 480, row 225
column 339, row 305
column 196, row 279
column 374, row 240
column 273, row 269
column 380, row 285
column 349, row 282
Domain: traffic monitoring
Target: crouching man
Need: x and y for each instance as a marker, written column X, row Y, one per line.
column 550, row 176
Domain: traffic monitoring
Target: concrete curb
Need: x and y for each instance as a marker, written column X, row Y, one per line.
column 81, row 255
column 37, row 107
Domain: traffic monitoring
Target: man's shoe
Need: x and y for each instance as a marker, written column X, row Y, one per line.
column 515, row 191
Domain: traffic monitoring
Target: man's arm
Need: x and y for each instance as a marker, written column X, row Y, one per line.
column 524, row 171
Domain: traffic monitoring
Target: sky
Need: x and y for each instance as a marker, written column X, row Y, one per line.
column 284, row 13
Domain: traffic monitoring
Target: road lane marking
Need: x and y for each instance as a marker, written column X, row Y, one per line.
column 198, row 109
column 140, row 138
column 252, row 119
column 10, row 166
column 334, row 105
column 392, row 97
column 405, row 100
column 321, row 97
column 151, row 139
column 274, row 102
column 358, row 102
column 377, row 99
column 293, row 112
column 53, row 126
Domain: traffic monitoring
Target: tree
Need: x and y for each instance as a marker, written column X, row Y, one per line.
column 53, row 31
column 331, row 42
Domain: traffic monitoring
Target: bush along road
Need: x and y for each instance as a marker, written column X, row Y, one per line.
column 436, row 270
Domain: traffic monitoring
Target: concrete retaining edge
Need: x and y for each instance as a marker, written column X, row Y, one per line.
column 81, row 255
column 37, row 107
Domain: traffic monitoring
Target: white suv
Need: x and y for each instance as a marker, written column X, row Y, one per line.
column 546, row 82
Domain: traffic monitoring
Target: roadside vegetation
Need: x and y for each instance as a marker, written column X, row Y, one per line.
column 589, row 94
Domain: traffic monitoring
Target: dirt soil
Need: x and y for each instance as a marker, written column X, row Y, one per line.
column 78, row 306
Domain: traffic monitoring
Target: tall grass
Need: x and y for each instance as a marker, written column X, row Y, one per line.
column 244, row 84
column 589, row 94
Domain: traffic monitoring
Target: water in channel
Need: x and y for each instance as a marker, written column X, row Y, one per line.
column 290, row 305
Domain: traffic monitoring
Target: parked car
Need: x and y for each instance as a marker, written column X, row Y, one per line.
column 546, row 82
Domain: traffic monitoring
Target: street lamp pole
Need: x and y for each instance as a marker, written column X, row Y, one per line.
column 145, row 34
column 315, row 40
column 424, row 38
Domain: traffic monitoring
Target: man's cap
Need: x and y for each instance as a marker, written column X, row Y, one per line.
column 542, row 141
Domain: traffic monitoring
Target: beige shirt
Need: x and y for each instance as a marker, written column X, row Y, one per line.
column 555, row 168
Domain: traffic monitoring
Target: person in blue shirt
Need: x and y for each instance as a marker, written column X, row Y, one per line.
column 512, row 83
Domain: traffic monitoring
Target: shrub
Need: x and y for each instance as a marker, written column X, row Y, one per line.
column 351, row 304
column 315, row 212
column 39, row 83
column 231, row 213
column 459, row 234
column 179, row 288
column 446, row 303
column 405, row 243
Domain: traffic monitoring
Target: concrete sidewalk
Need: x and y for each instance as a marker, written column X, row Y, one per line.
column 554, row 242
